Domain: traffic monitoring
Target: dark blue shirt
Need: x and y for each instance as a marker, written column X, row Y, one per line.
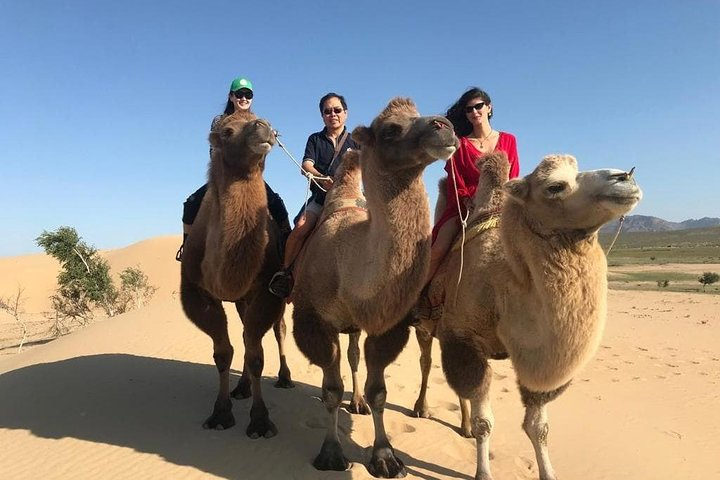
column 320, row 151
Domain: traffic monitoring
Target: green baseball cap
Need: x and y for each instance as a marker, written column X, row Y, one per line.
column 239, row 83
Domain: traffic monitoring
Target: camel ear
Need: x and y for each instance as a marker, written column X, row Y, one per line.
column 214, row 139
column 517, row 189
column 364, row 136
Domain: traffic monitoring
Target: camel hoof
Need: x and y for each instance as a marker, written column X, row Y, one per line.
column 284, row 382
column 219, row 420
column 261, row 428
column 466, row 432
column 331, row 458
column 359, row 407
column 421, row 410
column 260, row 423
column 384, row 464
column 242, row 391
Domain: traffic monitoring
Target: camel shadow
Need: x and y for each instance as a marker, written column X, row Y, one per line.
column 157, row 406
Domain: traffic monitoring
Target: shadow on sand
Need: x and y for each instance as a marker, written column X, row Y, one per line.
column 157, row 406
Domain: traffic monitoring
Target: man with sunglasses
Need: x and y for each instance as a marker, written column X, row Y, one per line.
column 322, row 156
column 239, row 98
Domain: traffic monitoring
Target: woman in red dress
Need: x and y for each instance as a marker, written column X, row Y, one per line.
column 470, row 115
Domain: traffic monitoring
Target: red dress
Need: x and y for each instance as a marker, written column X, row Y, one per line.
column 467, row 175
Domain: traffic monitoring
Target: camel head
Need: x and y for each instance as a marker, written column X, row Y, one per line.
column 557, row 197
column 401, row 138
column 242, row 140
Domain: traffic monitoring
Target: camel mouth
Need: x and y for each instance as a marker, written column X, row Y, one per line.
column 264, row 147
column 442, row 151
column 629, row 199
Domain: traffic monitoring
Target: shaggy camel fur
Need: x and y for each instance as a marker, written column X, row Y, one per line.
column 230, row 254
column 535, row 289
column 363, row 270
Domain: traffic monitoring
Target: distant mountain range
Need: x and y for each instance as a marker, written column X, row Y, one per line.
column 643, row 223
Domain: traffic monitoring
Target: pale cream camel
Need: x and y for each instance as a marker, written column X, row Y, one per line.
column 230, row 254
column 534, row 289
column 363, row 270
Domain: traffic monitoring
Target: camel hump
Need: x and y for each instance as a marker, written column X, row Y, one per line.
column 494, row 169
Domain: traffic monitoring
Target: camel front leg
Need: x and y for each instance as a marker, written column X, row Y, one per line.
column 208, row 315
column 320, row 343
column 357, row 403
column 380, row 351
column 260, row 316
column 284, row 377
column 536, row 426
column 482, row 419
column 424, row 340
column 331, row 456
column 468, row 372
column 243, row 388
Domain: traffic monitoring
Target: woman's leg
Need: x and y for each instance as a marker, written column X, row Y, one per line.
column 191, row 207
column 443, row 241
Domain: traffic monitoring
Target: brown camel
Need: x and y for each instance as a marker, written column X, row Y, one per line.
column 534, row 289
column 363, row 270
column 230, row 254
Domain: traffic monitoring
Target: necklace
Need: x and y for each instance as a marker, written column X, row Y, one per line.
column 482, row 141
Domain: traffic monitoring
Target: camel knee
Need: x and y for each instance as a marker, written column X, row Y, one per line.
column 316, row 339
column 481, row 427
column 223, row 359
column 466, row 369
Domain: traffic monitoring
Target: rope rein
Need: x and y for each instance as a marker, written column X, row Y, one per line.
column 463, row 224
column 311, row 178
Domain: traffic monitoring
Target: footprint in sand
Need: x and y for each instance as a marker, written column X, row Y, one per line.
column 524, row 463
column 449, row 406
column 316, row 423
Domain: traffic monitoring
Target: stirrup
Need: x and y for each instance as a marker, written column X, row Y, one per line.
column 281, row 283
column 178, row 255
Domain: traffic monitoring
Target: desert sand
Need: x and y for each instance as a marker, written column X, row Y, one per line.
column 125, row 397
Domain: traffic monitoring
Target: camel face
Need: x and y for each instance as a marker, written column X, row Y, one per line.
column 243, row 137
column 558, row 197
column 404, row 138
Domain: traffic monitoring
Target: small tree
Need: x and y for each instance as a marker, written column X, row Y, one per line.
column 135, row 290
column 14, row 306
column 708, row 278
column 84, row 278
column 663, row 283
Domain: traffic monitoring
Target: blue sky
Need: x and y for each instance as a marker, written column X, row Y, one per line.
column 106, row 106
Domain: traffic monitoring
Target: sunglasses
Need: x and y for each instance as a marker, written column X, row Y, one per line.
column 478, row 106
column 335, row 110
column 243, row 94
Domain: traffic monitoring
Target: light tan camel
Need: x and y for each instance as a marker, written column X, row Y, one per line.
column 363, row 270
column 534, row 289
column 230, row 254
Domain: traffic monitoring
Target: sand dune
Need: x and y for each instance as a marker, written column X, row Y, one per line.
column 125, row 397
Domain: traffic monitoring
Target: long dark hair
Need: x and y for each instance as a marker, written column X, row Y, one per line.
column 456, row 113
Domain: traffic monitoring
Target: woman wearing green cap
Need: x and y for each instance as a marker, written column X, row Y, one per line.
column 240, row 97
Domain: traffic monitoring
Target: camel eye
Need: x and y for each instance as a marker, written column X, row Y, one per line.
column 391, row 131
column 556, row 188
